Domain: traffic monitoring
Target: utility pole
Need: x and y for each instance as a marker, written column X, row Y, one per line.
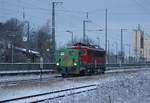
column 87, row 15
column 128, row 45
column 71, row 35
column 135, row 48
column 108, row 58
column 84, row 26
column 84, row 30
column 106, row 32
column 121, row 46
column 53, row 30
column 12, row 46
column 23, row 15
column 116, row 52
column 28, row 29
column 98, row 41
column 12, row 52
column 129, row 51
column 28, row 35
column 122, row 50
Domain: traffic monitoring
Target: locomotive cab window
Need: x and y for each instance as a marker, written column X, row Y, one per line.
column 96, row 53
column 102, row 54
column 62, row 53
column 72, row 53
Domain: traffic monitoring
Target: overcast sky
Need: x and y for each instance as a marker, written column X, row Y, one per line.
column 69, row 16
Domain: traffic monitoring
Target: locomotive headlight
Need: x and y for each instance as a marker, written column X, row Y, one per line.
column 75, row 64
column 57, row 64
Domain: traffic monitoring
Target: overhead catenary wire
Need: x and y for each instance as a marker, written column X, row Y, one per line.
column 70, row 12
column 77, row 12
column 141, row 5
column 73, row 14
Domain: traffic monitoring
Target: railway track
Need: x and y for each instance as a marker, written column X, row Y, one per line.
column 25, row 69
column 38, row 98
column 58, row 76
column 38, row 72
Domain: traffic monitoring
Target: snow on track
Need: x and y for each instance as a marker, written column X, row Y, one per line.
column 132, row 87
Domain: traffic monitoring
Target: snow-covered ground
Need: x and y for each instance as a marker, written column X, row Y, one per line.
column 128, row 87
column 121, row 88
column 132, row 88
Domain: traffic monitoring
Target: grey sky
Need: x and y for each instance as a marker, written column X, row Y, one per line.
column 69, row 16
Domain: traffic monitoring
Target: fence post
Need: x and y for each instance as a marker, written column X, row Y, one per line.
column 109, row 99
column 41, row 67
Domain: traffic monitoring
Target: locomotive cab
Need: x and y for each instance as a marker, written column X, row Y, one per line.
column 67, row 61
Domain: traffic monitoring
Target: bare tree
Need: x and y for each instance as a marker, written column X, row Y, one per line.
column 44, row 43
column 11, row 33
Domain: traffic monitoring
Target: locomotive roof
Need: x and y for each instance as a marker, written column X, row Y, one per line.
column 68, row 49
column 87, row 46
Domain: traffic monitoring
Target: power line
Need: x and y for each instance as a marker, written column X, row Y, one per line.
column 29, row 7
column 81, row 18
column 73, row 11
column 140, row 5
column 35, row 7
column 97, row 10
column 73, row 15
column 129, row 13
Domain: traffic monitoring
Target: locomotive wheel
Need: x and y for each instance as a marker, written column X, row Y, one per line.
column 100, row 70
column 64, row 75
column 103, row 70
column 82, row 73
column 97, row 71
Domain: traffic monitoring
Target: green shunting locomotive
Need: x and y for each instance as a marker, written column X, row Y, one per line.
column 68, row 61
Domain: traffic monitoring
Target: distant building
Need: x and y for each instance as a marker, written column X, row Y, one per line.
column 138, row 43
column 147, row 48
column 141, row 45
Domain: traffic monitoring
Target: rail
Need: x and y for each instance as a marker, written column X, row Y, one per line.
column 51, row 95
column 34, row 68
